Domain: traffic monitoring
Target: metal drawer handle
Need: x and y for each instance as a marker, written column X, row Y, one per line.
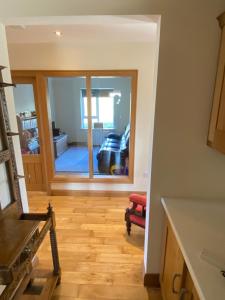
column 173, row 283
column 184, row 292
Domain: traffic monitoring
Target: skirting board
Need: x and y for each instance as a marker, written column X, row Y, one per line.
column 151, row 280
column 94, row 193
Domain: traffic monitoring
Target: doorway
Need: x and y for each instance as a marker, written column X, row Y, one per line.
column 92, row 119
column 85, row 125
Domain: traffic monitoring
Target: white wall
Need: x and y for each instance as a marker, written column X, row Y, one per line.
column 4, row 61
column 24, row 98
column 116, row 56
column 182, row 163
column 65, row 102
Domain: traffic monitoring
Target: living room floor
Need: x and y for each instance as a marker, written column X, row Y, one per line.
column 75, row 159
column 98, row 259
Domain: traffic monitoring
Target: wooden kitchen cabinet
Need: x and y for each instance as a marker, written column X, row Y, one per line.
column 173, row 267
column 188, row 291
column 175, row 280
column 216, row 136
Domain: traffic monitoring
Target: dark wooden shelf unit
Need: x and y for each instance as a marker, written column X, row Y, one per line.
column 21, row 234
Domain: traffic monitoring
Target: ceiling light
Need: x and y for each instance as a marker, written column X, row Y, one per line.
column 58, row 33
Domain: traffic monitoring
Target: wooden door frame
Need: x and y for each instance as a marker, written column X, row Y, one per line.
column 45, row 118
column 29, row 79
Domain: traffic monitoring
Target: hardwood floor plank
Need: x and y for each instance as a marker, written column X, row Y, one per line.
column 91, row 278
column 112, row 292
column 67, row 290
column 99, row 261
column 106, row 268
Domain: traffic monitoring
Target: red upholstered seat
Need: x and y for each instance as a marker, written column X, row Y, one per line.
column 139, row 199
column 137, row 220
column 135, row 214
column 139, row 208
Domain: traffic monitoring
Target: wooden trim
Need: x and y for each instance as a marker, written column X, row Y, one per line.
column 48, row 153
column 219, row 141
column 214, row 123
column 71, row 73
column 151, row 280
column 132, row 126
column 103, row 193
column 47, row 136
column 221, row 19
column 77, row 178
column 90, row 143
column 216, row 93
column 23, row 79
column 31, row 158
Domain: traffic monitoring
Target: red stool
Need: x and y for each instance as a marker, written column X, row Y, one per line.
column 136, row 213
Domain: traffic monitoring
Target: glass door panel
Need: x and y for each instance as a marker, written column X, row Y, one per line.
column 69, row 119
column 27, row 118
column 111, row 107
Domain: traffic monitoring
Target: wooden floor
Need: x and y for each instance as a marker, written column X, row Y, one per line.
column 98, row 259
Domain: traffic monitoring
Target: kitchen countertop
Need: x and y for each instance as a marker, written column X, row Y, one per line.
column 199, row 224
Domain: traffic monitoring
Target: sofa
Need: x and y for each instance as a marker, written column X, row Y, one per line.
column 114, row 153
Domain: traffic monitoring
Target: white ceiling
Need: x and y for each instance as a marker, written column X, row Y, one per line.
column 83, row 29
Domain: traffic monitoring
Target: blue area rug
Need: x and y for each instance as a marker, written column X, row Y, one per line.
column 75, row 159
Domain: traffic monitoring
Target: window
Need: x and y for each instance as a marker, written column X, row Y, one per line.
column 102, row 107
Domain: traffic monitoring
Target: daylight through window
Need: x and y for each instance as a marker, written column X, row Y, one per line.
column 102, row 107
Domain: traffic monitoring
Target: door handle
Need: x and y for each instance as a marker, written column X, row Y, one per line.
column 173, row 283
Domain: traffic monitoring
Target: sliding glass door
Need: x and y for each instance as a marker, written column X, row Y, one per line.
column 111, row 108
column 69, row 124
column 91, row 124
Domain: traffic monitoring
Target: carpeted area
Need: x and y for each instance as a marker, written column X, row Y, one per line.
column 75, row 159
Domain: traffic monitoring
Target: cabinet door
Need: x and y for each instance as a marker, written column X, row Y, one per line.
column 172, row 269
column 188, row 291
column 216, row 137
column 195, row 294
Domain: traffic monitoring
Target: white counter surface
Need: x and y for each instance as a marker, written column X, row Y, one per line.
column 200, row 224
